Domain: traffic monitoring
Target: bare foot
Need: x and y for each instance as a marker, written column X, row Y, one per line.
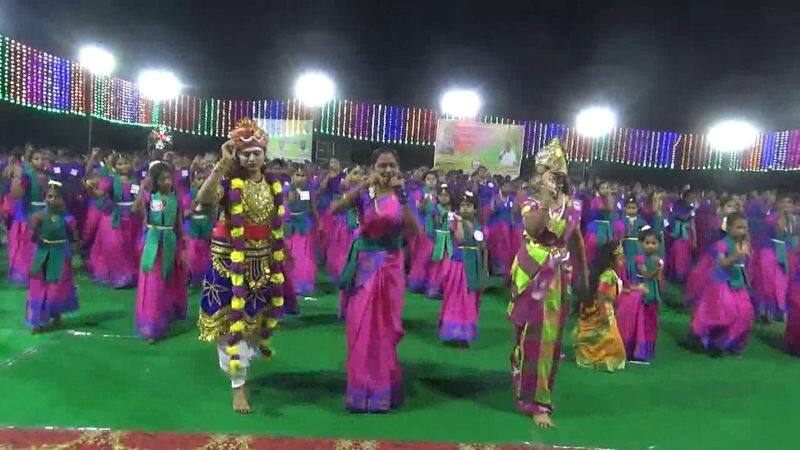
column 151, row 341
column 543, row 421
column 240, row 403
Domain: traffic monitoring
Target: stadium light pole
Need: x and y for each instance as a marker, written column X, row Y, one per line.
column 97, row 62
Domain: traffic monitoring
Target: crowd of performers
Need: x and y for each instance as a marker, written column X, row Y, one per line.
column 251, row 234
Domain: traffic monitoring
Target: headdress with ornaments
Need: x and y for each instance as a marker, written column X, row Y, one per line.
column 552, row 157
column 247, row 134
column 159, row 139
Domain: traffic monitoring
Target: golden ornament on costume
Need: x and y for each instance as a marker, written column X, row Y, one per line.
column 248, row 134
column 258, row 201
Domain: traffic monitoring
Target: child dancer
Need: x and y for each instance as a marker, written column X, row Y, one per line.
column 462, row 282
column 705, row 265
column 637, row 306
column 115, row 257
column 28, row 186
column 442, row 240
column 501, row 231
column 423, row 246
column 161, row 291
column 723, row 315
column 626, row 230
column 684, row 239
column 599, row 345
column 299, row 232
column 600, row 230
column 52, row 291
column 772, row 260
column 198, row 225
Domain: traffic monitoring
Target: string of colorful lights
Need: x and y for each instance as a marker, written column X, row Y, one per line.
column 35, row 79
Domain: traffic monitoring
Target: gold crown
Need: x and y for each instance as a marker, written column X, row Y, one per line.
column 247, row 133
column 552, row 157
column 618, row 250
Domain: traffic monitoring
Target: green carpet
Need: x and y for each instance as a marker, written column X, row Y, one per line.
column 109, row 378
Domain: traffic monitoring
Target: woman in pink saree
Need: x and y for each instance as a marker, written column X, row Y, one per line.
column 373, row 285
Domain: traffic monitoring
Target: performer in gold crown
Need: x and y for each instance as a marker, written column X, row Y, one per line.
column 540, row 275
column 242, row 290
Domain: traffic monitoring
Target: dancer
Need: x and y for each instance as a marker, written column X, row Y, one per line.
column 723, row 316
column 28, row 186
column 243, row 288
column 599, row 345
column 684, row 239
column 637, row 305
column 423, row 245
column 114, row 254
column 51, row 291
column 161, row 295
column 772, row 260
column 442, row 239
column 540, row 274
column 502, row 226
column 299, row 232
column 462, row 283
column 373, row 286
column 197, row 228
column 626, row 230
column 602, row 215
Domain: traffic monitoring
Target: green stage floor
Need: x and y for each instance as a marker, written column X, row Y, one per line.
column 96, row 373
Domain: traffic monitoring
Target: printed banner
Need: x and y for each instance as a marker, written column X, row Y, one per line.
column 288, row 139
column 465, row 145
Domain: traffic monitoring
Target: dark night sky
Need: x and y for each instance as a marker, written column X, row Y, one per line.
column 664, row 65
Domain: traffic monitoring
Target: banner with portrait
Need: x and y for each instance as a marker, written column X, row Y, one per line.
column 466, row 144
column 288, row 139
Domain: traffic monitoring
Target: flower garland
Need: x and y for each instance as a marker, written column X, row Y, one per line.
column 237, row 269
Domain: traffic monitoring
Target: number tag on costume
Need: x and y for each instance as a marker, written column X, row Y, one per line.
column 184, row 173
column 57, row 170
column 478, row 235
column 156, row 206
column 134, row 189
column 491, row 185
column 305, row 195
column 74, row 172
column 666, row 222
column 451, row 215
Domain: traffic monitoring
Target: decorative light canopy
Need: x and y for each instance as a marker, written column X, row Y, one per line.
column 159, row 85
column 97, row 60
column 461, row 103
column 596, row 121
column 314, row 89
column 732, row 135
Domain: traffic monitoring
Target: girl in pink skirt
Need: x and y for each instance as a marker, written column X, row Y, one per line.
column 792, row 334
column 299, row 232
column 772, row 262
column 442, row 241
column 602, row 215
column 338, row 230
column 705, row 265
column 723, row 316
column 115, row 254
column 28, row 187
column 198, row 225
column 684, row 239
column 462, row 282
column 51, row 291
column 161, row 291
column 637, row 306
column 502, row 226
column 418, row 276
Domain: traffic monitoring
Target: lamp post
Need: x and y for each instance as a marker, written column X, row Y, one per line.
column 314, row 89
